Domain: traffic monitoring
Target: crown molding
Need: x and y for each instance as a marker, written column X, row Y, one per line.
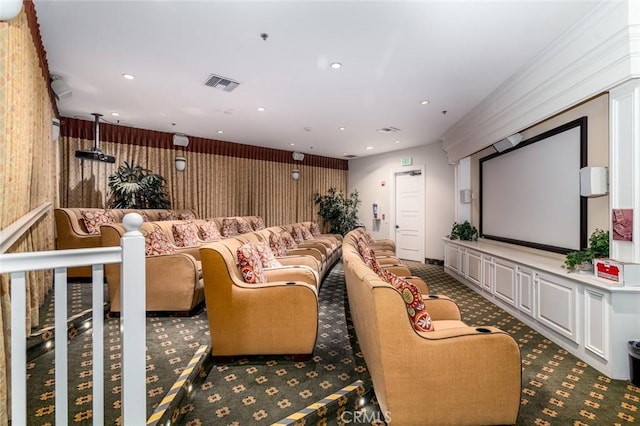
column 600, row 52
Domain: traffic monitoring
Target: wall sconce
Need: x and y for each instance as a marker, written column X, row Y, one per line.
column 181, row 163
column 295, row 174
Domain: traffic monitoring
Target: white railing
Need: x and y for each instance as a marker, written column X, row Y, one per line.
column 132, row 323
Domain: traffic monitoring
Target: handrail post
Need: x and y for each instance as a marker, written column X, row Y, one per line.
column 133, row 322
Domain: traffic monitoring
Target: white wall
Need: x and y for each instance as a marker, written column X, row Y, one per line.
column 366, row 175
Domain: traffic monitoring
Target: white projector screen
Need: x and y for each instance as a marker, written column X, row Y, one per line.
column 530, row 194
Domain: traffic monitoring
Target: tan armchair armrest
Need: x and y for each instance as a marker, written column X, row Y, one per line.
column 399, row 270
column 300, row 260
column 308, row 252
column 441, row 307
column 295, row 273
column 419, row 282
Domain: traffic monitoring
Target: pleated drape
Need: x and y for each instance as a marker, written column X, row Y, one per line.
column 214, row 184
column 27, row 170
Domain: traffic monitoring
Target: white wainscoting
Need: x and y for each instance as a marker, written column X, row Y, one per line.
column 590, row 317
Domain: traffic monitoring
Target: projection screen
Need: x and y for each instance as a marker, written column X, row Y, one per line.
column 530, row 194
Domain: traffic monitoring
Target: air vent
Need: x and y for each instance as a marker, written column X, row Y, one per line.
column 221, row 83
column 389, row 129
column 350, row 156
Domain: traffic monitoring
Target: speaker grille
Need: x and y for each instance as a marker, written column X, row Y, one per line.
column 222, row 83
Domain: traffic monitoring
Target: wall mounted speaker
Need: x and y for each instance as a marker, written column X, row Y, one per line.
column 60, row 88
column 508, row 143
column 180, row 140
column 465, row 196
column 298, row 156
column 593, row 181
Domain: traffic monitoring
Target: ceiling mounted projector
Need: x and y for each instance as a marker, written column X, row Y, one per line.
column 60, row 88
column 95, row 154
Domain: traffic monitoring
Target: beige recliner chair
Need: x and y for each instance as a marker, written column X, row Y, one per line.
column 279, row 317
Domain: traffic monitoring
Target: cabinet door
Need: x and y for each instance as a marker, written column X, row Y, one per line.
column 596, row 322
column 505, row 282
column 488, row 269
column 452, row 260
column 556, row 305
column 526, row 283
column 474, row 267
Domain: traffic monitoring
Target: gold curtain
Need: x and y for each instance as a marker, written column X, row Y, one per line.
column 212, row 184
column 27, row 169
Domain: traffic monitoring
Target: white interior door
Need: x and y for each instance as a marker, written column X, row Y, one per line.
column 409, row 215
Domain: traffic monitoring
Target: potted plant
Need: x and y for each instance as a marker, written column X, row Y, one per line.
column 582, row 260
column 134, row 187
column 338, row 209
column 463, row 231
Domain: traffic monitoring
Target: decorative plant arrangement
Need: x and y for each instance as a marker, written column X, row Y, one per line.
column 582, row 260
column 463, row 231
column 134, row 187
column 338, row 209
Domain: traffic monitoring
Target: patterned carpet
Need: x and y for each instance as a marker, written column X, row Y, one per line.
column 558, row 389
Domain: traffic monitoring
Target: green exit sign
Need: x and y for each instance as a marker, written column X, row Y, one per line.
column 406, row 161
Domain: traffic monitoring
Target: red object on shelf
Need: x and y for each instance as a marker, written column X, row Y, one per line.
column 608, row 270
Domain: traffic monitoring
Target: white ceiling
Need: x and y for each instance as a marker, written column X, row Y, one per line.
column 394, row 54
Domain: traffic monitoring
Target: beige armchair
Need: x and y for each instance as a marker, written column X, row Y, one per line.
column 277, row 317
column 456, row 374
column 174, row 281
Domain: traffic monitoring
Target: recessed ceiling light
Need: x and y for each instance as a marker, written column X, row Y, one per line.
column 336, row 65
column 342, row 128
column 424, row 102
column 220, row 132
column 292, row 144
column 397, row 141
column 128, row 76
column 369, row 147
column 115, row 114
column 260, row 109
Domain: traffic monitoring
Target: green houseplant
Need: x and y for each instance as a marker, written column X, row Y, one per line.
column 134, row 187
column 338, row 209
column 463, row 231
column 582, row 260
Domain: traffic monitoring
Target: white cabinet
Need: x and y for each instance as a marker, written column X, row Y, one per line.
column 590, row 319
column 526, row 290
column 505, row 282
column 473, row 270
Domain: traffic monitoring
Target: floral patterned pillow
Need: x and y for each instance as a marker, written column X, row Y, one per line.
column 418, row 315
column 306, row 235
column 94, row 218
column 187, row 216
column 267, row 257
column 250, row 264
column 289, row 242
column 185, row 234
column 209, row 231
column 156, row 242
column 368, row 237
column 168, row 215
column 229, row 227
column 296, row 233
column 277, row 245
column 315, row 229
column 243, row 226
column 257, row 223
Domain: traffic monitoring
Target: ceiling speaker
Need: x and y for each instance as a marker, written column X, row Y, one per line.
column 180, row 140
column 508, row 143
column 60, row 88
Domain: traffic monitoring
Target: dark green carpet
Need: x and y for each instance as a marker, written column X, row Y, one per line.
column 558, row 389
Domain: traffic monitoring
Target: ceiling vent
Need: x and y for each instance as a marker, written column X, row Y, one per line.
column 221, row 83
column 389, row 129
column 350, row 156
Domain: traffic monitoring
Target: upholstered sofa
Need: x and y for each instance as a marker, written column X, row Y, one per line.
column 277, row 317
column 455, row 374
column 72, row 231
